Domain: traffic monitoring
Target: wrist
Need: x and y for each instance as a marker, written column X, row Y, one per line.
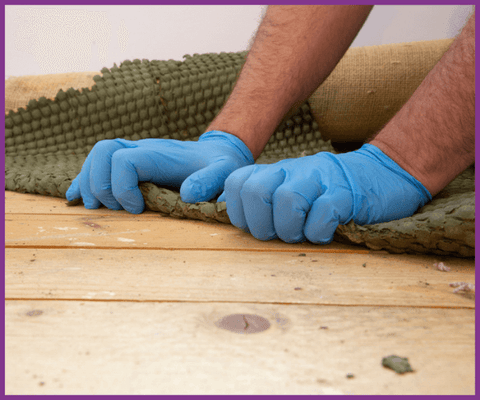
column 232, row 141
column 388, row 162
column 434, row 170
column 397, row 152
column 254, row 139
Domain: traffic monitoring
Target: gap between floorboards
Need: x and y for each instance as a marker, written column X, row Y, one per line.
column 240, row 302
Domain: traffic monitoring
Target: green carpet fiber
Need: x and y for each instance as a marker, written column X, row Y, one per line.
column 47, row 142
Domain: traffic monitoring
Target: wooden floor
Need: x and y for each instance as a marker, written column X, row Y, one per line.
column 102, row 302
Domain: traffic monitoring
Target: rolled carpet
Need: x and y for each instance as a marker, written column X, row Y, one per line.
column 47, row 140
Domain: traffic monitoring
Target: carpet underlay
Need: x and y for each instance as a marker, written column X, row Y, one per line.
column 47, row 142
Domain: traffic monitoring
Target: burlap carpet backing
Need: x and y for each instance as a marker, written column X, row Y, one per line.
column 369, row 85
column 20, row 90
column 365, row 90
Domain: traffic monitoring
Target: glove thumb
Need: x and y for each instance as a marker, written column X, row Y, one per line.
column 206, row 183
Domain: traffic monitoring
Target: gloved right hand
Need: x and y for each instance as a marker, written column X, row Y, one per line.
column 113, row 169
column 308, row 197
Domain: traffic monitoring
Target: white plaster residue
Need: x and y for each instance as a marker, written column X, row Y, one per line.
column 91, row 295
column 125, row 240
column 41, row 229
column 213, row 234
column 64, row 229
column 67, row 236
column 83, row 244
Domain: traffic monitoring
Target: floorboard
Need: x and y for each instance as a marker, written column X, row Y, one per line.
column 268, row 277
column 142, row 232
column 64, row 347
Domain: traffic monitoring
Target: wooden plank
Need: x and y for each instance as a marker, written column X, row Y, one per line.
column 394, row 280
column 70, row 347
column 26, row 203
column 140, row 232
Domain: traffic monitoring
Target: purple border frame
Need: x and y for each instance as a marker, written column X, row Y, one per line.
column 3, row 197
column 209, row 2
column 220, row 2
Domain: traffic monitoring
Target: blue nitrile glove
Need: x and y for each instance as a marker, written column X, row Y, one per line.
column 113, row 168
column 308, row 197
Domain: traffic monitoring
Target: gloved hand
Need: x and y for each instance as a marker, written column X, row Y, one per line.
column 308, row 197
column 113, row 168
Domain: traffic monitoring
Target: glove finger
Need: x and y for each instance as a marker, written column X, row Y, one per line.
column 101, row 173
column 291, row 203
column 221, row 197
column 257, row 199
column 233, row 186
column 89, row 200
column 130, row 166
column 73, row 192
column 328, row 211
column 206, row 183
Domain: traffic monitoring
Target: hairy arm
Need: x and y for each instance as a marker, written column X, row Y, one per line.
column 295, row 49
column 433, row 135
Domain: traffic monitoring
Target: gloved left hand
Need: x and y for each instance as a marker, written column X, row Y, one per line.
column 113, row 169
column 308, row 197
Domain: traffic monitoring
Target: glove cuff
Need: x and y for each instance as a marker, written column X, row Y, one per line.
column 232, row 141
column 374, row 152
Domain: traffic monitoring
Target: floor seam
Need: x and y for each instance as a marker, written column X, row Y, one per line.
column 242, row 302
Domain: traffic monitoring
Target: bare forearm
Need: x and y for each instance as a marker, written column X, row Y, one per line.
column 295, row 50
column 433, row 136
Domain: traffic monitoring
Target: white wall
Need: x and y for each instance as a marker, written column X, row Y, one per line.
column 397, row 24
column 56, row 39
